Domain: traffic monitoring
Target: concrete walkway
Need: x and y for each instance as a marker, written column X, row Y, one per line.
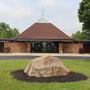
column 14, row 56
column 43, row 54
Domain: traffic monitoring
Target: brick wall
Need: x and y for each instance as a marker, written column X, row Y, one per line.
column 72, row 47
column 13, row 47
column 23, row 47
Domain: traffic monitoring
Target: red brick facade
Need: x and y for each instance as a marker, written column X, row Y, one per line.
column 70, row 47
column 24, row 47
column 13, row 47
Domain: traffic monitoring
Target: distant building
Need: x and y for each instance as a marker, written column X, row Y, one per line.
column 43, row 37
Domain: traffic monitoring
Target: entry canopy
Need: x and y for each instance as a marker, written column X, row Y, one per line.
column 43, row 30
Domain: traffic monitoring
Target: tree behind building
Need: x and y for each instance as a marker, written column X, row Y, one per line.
column 7, row 32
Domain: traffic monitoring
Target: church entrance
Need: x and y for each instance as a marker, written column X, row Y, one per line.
column 44, row 47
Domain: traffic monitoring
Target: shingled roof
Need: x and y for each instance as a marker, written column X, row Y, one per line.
column 43, row 30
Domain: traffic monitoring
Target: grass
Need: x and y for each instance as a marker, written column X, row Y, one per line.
column 7, row 82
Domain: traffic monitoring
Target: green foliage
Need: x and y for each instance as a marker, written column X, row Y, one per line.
column 84, row 17
column 77, row 35
column 7, row 32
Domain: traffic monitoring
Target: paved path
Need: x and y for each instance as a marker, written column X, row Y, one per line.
column 15, row 56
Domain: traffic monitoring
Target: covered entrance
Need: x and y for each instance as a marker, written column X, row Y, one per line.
column 1, row 47
column 44, row 47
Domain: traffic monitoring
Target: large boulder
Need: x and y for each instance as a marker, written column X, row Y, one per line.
column 46, row 66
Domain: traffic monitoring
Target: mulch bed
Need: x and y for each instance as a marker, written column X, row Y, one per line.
column 72, row 77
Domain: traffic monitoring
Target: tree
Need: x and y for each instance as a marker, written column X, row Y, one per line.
column 7, row 32
column 84, row 17
column 77, row 35
column 13, row 32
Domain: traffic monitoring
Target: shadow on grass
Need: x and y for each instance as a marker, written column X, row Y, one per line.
column 72, row 77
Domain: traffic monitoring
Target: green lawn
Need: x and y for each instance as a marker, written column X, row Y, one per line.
column 8, row 83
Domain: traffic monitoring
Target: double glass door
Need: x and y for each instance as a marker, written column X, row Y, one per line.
column 44, row 47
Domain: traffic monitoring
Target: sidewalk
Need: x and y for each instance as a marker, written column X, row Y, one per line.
column 43, row 54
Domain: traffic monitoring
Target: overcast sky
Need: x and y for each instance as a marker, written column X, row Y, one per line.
column 23, row 13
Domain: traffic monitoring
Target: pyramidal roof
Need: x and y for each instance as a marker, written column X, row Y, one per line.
column 44, row 30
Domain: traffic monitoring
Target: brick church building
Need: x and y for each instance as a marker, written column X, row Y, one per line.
column 43, row 37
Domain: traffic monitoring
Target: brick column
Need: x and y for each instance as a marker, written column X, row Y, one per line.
column 60, row 47
column 28, row 47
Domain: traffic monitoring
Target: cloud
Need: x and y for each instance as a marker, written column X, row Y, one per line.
column 48, row 3
column 12, row 10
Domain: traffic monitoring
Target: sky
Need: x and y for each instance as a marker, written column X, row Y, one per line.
column 23, row 13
